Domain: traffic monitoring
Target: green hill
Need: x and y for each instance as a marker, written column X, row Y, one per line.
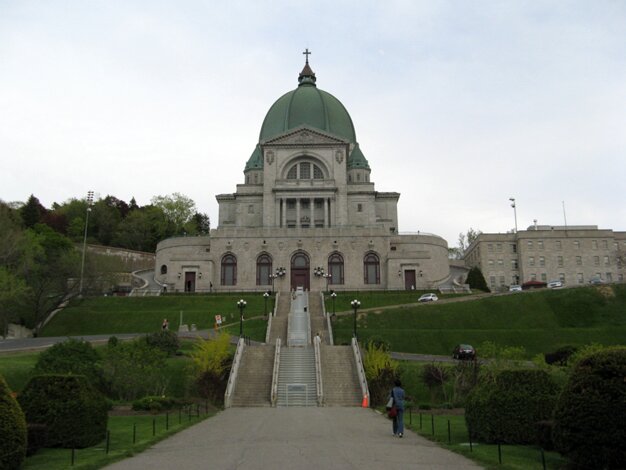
column 539, row 321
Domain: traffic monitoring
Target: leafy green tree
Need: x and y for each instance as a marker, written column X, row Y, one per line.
column 10, row 235
column 381, row 371
column 476, row 280
column 199, row 224
column 142, row 229
column 13, row 292
column 211, row 364
column 178, row 209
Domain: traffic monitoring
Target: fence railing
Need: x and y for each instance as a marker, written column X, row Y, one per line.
column 232, row 379
column 274, row 392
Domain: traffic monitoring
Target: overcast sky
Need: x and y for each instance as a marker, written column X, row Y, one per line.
column 457, row 105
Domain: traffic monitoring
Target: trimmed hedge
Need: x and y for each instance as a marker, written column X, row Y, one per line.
column 155, row 404
column 12, row 430
column 589, row 417
column 164, row 340
column 74, row 413
column 508, row 407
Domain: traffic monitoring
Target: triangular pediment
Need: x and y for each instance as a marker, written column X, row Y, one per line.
column 305, row 136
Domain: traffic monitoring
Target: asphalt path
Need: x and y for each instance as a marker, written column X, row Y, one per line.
column 295, row 438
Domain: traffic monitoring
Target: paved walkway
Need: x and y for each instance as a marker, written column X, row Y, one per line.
column 294, row 438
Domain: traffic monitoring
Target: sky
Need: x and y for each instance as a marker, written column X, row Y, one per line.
column 457, row 105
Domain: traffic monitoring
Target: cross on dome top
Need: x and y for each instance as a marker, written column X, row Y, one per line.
column 307, row 76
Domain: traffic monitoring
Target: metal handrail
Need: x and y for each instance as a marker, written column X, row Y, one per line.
column 329, row 325
column 232, row 379
column 274, row 392
column 360, row 370
column 318, row 371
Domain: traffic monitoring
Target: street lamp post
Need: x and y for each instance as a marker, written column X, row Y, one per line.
column 327, row 276
column 355, row 305
column 512, row 199
column 241, row 304
column 333, row 296
column 82, row 263
column 265, row 297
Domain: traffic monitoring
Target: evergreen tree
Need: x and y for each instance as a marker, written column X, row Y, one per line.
column 32, row 212
column 476, row 280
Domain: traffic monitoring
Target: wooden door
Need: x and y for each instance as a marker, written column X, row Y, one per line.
column 409, row 279
column 190, row 281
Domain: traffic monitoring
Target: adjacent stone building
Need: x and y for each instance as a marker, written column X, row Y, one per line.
column 572, row 254
column 306, row 215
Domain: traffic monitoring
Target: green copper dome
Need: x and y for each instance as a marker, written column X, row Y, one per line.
column 309, row 106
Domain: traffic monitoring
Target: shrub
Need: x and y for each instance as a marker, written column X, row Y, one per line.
column 560, row 356
column 508, row 407
column 381, row 371
column 74, row 357
column 113, row 341
column 74, row 412
column 155, row 404
column 12, row 430
column 135, row 369
column 164, row 340
column 37, row 434
column 589, row 417
column 476, row 280
column 211, row 362
column 435, row 377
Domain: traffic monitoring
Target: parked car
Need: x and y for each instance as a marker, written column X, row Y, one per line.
column 428, row 298
column 464, row 351
column 515, row 288
column 596, row 281
column 555, row 284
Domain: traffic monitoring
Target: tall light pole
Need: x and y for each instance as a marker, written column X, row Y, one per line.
column 512, row 199
column 333, row 296
column 355, row 305
column 241, row 304
column 82, row 264
column 265, row 296
column 327, row 276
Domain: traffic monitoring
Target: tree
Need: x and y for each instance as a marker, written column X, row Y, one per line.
column 10, row 235
column 13, row 292
column 142, row 229
column 178, row 209
column 464, row 241
column 199, row 224
column 32, row 211
column 476, row 280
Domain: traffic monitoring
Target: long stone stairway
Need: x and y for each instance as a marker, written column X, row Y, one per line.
column 296, row 377
column 279, row 322
column 254, row 381
column 318, row 322
column 339, row 376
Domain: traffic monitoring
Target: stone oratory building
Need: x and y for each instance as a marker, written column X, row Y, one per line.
column 307, row 215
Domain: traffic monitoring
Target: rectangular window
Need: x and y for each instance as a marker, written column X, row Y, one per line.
column 305, row 171
column 531, row 261
column 596, row 261
column 490, row 262
column 492, row 281
column 605, row 244
column 513, row 248
column 580, row 278
column 490, row 247
column 513, row 279
column 530, row 244
column 557, row 244
column 359, row 207
column 594, row 244
column 579, row 261
column 542, row 261
column 544, row 277
column 540, row 244
column 609, row 277
column 562, row 277
column 500, row 262
column 499, row 246
column 533, row 277
column 577, row 244
column 559, row 261
column 514, row 264
column 606, row 261
column 251, row 209
column 502, row 280
column 620, row 277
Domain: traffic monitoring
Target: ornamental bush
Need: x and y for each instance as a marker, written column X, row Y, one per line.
column 476, row 280
column 589, row 417
column 74, row 357
column 12, row 430
column 507, row 406
column 164, row 340
column 75, row 413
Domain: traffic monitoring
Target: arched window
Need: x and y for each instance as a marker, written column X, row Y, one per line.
column 229, row 270
column 371, row 268
column 164, row 269
column 263, row 270
column 335, row 268
column 302, row 171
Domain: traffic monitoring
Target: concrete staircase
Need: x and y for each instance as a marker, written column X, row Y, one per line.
column 279, row 322
column 339, row 376
column 254, row 381
column 318, row 322
column 296, row 377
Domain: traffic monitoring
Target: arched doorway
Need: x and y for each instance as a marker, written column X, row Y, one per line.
column 300, row 271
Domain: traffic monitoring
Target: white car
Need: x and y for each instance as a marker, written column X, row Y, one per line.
column 515, row 288
column 428, row 298
column 555, row 284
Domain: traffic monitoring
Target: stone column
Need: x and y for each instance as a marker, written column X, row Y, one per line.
column 312, row 210
column 284, row 206
column 277, row 219
column 297, row 212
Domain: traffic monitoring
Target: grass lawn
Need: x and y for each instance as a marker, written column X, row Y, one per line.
column 121, row 441
column 110, row 315
column 514, row 457
column 16, row 368
column 255, row 328
column 372, row 299
column 539, row 321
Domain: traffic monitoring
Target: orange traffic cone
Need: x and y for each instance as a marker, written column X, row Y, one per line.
column 364, row 404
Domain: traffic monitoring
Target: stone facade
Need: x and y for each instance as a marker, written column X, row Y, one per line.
column 306, row 215
column 572, row 254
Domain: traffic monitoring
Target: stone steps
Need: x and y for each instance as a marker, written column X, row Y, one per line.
column 339, row 376
column 296, row 377
column 254, row 381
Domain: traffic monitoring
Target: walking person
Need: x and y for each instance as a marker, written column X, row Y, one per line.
column 397, row 393
column 165, row 325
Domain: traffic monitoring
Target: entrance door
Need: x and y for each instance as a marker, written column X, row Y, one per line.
column 409, row 279
column 300, row 271
column 190, row 281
